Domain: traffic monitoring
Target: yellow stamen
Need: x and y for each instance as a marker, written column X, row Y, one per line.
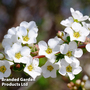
column 50, row 68
column 25, row 38
column 18, row 55
column 30, row 67
column 2, row 69
column 76, row 34
column 69, row 53
column 49, row 50
column 69, row 68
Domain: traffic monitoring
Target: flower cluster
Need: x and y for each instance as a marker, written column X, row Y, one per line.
column 62, row 52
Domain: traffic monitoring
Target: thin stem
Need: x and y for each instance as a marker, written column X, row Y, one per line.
column 64, row 40
column 41, row 56
column 9, row 60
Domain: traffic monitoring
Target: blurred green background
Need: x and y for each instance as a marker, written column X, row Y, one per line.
column 47, row 14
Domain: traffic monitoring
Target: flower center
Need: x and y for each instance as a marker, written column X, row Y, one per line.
column 75, row 20
column 49, row 50
column 25, row 38
column 69, row 53
column 18, row 55
column 69, row 68
column 2, row 69
column 76, row 34
column 30, row 67
column 50, row 68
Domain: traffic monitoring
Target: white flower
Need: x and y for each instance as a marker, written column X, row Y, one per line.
column 67, row 22
column 10, row 38
column 77, row 32
column 11, row 31
column 88, row 47
column 87, row 26
column 71, row 51
column 18, row 53
column 70, row 69
column 32, row 67
column 8, row 42
column 26, row 36
column 4, row 69
column 29, row 26
column 48, row 50
column 78, row 16
column 49, row 69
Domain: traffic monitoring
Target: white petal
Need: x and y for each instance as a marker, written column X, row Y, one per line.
column 75, row 62
column 71, row 76
column 84, row 31
column 88, row 47
column 24, row 24
column 53, row 74
column 42, row 45
column 68, row 60
column 72, row 10
column 81, row 38
column 72, row 46
column 62, row 70
column 46, row 75
column 78, row 53
column 7, row 73
column 1, row 75
column 63, row 62
column 32, row 34
column 56, row 49
column 38, row 70
column 84, row 18
column 52, row 42
column 77, row 70
column 16, row 47
column 35, row 62
column 32, row 25
column 76, row 26
column 64, row 48
column 22, row 31
column 12, row 31
column 69, row 31
column 25, row 51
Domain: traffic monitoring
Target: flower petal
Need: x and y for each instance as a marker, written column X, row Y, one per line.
column 62, row 70
column 72, row 46
column 42, row 45
column 88, row 47
column 71, row 76
column 64, row 48
column 77, row 70
column 78, row 53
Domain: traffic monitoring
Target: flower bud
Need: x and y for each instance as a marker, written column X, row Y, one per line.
column 60, row 34
column 78, row 82
column 85, row 78
column 1, row 56
column 69, row 85
column 82, row 84
column 74, row 88
column 72, row 83
column 34, row 50
column 17, row 65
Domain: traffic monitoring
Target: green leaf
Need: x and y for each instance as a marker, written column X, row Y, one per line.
column 68, row 38
column 59, row 56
